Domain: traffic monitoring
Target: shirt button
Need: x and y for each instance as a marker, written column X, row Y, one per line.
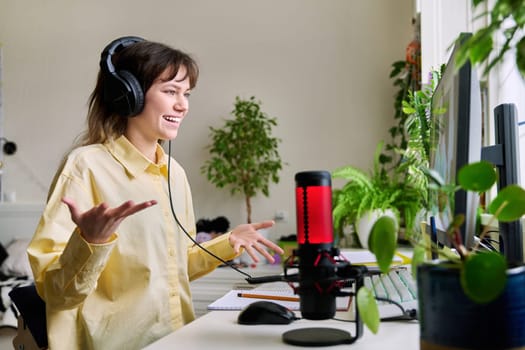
column 171, row 252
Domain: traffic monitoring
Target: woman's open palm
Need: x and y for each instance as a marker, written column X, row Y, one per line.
column 100, row 222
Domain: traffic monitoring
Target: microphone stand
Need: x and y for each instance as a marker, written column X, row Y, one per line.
column 345, row 273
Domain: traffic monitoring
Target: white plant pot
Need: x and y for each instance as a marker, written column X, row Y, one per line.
column 364, row 224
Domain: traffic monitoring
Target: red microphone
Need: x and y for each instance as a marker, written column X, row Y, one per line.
column 317, row 270
column 322, row 272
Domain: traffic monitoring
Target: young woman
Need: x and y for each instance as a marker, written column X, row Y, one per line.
column 110, row 257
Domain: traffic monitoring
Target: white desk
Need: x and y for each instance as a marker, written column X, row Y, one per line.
column 220, row 330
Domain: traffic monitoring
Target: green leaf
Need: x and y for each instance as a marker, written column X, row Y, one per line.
column 477, row 177
column 434, row 176
column 382, row 241
column 368, row 310
column 397, row 67
column 502, row 9
column 483, row 276
column 458, row 220
column 509, row 204
column 418, row 257
column 520, row 56
column 482, row 46
column 408, row 110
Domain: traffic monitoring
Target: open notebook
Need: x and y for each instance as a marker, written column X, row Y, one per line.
column 232, row 300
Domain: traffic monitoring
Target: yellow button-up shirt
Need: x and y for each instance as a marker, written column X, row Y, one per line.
column 134, row 289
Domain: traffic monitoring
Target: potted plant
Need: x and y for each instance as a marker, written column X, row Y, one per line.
column 463, row 294
column 244, row 155
column 396, row 185
column 364, row 193
column 366, row 199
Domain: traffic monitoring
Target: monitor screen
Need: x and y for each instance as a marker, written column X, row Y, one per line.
column 456, row 141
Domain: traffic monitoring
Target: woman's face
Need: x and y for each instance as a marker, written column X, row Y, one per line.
column 165, row 106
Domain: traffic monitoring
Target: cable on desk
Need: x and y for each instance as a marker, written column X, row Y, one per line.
column 406, row 315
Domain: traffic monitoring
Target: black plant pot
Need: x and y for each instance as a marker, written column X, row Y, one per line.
column 449, row 319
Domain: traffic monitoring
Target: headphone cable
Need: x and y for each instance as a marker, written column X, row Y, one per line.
column 230, row 264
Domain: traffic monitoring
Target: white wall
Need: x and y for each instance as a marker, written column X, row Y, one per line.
column 321, row 67
column 441, row 23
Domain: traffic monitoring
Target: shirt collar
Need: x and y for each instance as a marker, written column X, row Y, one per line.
column 133, row 160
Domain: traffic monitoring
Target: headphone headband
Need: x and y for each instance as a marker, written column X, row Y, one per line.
column 116, row 45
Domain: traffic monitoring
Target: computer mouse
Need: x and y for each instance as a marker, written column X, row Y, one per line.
column 266, row 312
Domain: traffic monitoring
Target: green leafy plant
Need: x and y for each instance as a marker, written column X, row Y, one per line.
column 402, row 76
column 406, row 75
column 363, row 193
column 506, row 18
column 483, row 274
column 377, row 190
column 418, row 123
column 396, row 181
column 244, row 154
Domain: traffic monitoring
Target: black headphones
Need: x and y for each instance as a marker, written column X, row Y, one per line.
column 122, row 90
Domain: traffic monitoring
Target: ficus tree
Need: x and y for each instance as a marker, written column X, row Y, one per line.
column 244, row 156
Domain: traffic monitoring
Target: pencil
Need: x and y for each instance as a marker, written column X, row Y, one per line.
column 269, row 297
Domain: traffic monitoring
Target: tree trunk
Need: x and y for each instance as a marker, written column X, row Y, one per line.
column 248, row 209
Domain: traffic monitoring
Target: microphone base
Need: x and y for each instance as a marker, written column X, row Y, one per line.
column 317, row 336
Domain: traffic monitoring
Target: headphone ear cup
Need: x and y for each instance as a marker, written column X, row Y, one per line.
column 121, row 90
column 124, row 93
column 136, row 93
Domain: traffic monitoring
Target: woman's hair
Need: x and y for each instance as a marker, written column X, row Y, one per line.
column 146, row 60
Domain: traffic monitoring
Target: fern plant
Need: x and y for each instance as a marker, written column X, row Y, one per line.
column 378, row 190
column 361, row 193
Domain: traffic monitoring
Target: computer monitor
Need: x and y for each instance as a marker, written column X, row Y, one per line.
column 504, row 154
column 456, row 141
